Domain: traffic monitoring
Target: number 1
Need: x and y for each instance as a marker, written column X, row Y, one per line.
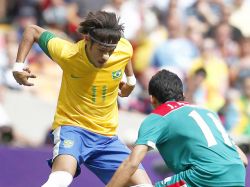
column 206, row 130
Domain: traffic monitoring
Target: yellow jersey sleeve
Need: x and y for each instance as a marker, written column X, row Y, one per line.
column 56, row 48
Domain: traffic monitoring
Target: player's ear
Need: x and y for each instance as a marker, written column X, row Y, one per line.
column 154, row 101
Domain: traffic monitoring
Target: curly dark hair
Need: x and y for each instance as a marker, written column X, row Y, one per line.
column 102, row 26
column 166, row 86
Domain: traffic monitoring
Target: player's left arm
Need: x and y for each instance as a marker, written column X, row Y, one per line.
column 128, row 167
column 127, row 87
column 242, row 155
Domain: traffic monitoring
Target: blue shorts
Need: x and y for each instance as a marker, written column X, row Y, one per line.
column 100, row 154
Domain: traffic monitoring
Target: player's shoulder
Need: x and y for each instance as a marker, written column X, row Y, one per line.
column 151, row 120
column 124, row 46
column 70, row 49
column 152, row 117
column 124, row 41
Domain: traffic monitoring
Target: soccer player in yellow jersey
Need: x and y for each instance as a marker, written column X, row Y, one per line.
column 86, row 118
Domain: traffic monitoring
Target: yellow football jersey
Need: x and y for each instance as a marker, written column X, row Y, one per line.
column 88, row 95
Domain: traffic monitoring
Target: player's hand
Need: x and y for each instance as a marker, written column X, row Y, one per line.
column 22, row 77
column 125, row 89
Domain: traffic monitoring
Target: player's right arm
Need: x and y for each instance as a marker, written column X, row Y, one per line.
column 30, row 36
column 128, row 167
column 127, row 88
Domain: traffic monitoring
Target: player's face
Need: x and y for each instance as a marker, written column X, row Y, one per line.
column 99, row 55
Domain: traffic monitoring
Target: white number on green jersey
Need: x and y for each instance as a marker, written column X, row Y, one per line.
column 206, row 130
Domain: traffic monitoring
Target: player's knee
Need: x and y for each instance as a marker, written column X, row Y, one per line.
column 59, row 179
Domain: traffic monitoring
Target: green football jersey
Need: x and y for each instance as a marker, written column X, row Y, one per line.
column 191, row 138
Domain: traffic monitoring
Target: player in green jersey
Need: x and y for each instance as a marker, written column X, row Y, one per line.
column 190, row 139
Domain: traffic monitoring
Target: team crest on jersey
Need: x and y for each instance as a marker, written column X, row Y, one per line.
column 116, row 74
column 68, row 143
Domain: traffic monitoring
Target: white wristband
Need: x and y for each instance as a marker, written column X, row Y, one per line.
column 18, row 66
column 131, row 80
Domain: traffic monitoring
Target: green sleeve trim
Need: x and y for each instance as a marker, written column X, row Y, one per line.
column 43, row 41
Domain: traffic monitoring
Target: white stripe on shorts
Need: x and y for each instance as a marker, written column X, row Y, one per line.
column 57, row 141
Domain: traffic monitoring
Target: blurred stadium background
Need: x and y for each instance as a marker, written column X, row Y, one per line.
column 206, row 42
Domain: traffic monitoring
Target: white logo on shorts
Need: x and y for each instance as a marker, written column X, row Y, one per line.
column 68, row 143
column 167, row 180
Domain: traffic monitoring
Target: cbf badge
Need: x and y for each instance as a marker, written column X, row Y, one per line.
column 116, row 74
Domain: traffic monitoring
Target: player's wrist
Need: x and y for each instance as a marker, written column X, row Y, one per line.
column 18, row 66
column 131, row 80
